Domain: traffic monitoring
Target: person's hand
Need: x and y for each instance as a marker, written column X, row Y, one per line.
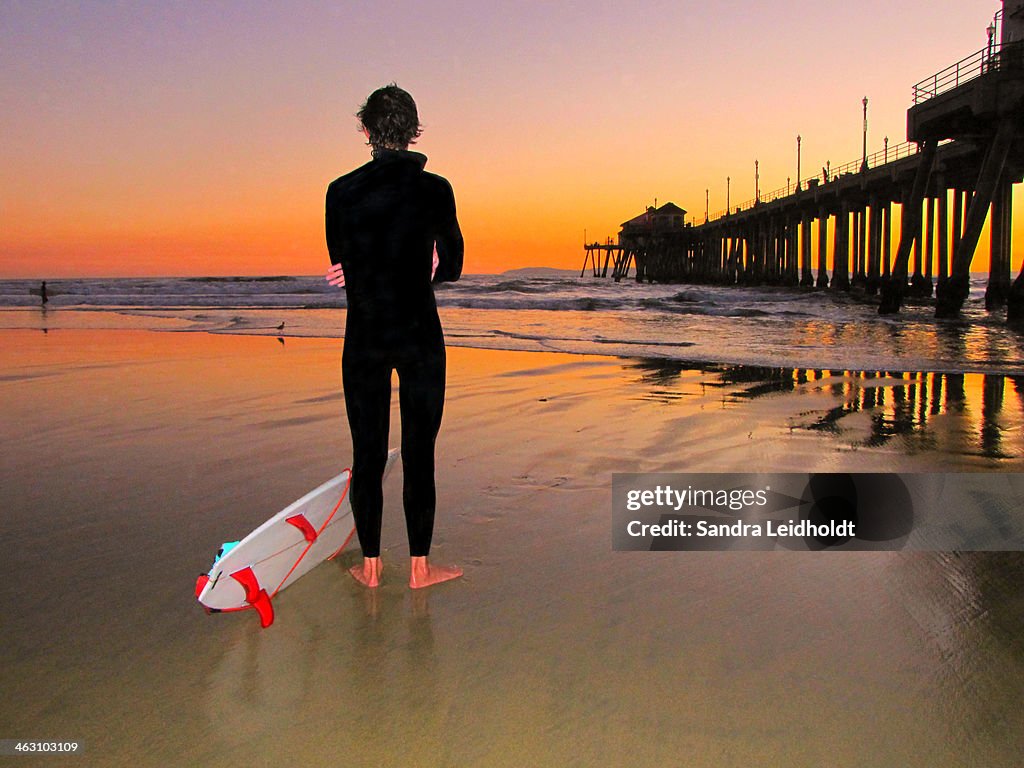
column 336, row 275
column 433, row 269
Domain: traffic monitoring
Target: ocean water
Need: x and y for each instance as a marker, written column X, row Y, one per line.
column 563, row 312
column 136, row 454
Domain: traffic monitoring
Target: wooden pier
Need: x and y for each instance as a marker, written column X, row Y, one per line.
column 619, row 257
column 964, row 152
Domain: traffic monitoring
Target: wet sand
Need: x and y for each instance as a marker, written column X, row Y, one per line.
column 131, row 455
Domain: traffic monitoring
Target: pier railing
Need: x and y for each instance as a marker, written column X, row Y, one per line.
column 991, row 58
column 988, row 59
column 881, row 157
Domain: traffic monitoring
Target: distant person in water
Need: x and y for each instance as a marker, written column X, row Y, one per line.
column 42, row 293
column 392, row 232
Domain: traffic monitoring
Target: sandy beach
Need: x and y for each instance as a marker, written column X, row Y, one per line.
column 130, row 455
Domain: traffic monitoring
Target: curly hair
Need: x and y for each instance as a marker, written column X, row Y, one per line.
column 389, row 115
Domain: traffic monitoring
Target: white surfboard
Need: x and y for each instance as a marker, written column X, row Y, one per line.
column 250, row 573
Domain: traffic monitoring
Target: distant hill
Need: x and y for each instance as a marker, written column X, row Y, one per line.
column 539, row 272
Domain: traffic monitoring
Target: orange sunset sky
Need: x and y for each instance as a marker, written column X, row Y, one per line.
column 198, row 138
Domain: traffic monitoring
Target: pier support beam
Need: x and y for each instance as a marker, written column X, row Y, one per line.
column 910, row 225
column 862, row 247
column 949, row 300
column 736, row 264
column 1015, row 299
column 958, row 221
column 929, row 248
column 793, row 253
column 776, row 253
column 858, row 278
column 917, row 279
column 887, row 240
column 999, row 268
column 841, row 251
column 943, row 271
column 874, row 247
column 806, row 276
column 822, row 247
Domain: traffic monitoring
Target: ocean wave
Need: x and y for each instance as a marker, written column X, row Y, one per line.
column 258, row 279
column 763, row 325
column 588, row 304
column 520, row 286
column 704, row 309
column 577, row 340
column 691, row 297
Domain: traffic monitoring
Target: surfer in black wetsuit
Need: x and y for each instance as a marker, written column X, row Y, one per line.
column 391, row 232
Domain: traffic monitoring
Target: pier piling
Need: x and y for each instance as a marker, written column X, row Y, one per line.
column 964, row 152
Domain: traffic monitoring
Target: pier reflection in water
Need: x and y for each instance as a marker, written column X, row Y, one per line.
column 970, row 414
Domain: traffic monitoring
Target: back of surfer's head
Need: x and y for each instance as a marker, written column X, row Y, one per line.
column 389, row 116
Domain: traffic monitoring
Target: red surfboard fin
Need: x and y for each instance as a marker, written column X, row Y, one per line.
column 255, row 596
column 264, row 608
column 201, row 583
column 300, row 522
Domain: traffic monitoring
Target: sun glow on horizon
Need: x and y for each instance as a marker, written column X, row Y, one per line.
column 150, row 141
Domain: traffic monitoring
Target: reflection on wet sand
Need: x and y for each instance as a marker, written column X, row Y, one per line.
column 973, row 413
column 137, row 453
column 969, row 608
column 727, row 659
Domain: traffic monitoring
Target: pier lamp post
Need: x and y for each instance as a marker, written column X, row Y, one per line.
column 991, row 43
column 798, row 162
column 864, row 162
column 886, row 144
column 728, row 180
column 707, row 199
column 757, row 183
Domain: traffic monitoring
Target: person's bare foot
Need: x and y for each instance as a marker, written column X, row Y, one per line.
column 367, row 573
column 423, row 574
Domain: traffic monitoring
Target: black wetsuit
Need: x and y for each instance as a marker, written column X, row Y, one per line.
column 383, row 220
